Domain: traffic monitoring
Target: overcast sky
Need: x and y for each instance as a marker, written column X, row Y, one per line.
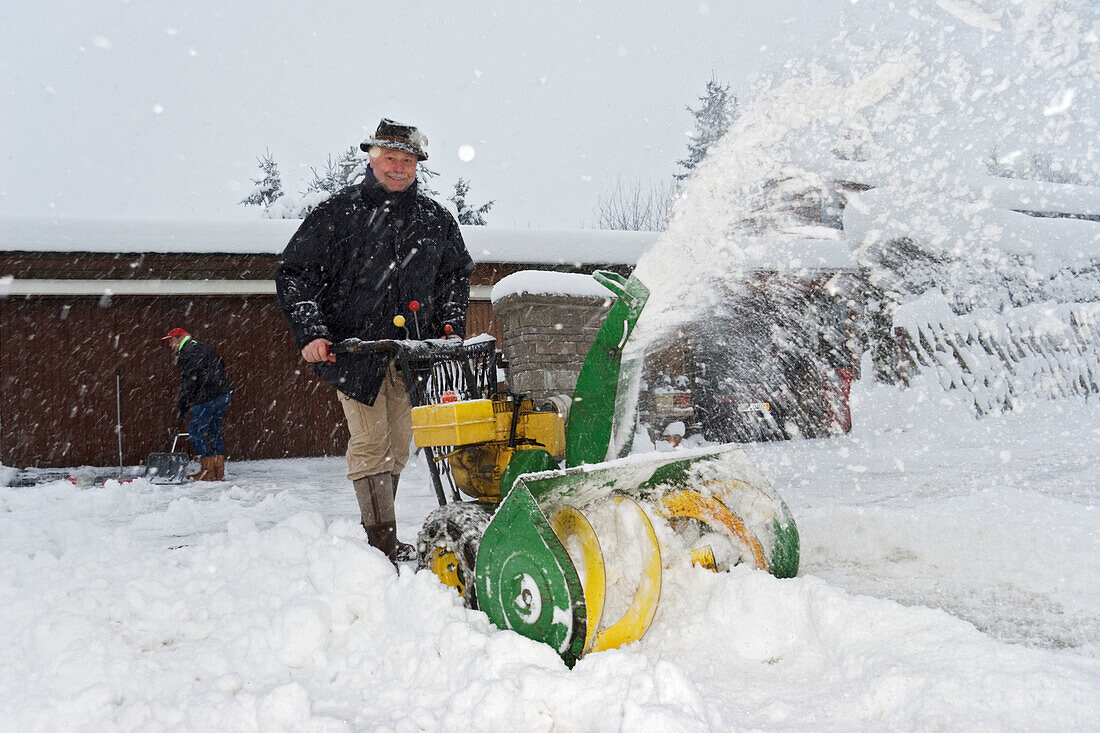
column 149, row 109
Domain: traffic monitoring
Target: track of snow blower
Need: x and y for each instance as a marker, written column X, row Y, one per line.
column 574, row 557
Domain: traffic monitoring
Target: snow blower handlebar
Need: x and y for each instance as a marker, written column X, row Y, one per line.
column 411, row 349
column 417, row 359
column 359, row 346
column 432, row 368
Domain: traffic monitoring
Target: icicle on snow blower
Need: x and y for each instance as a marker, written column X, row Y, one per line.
column 573, row 557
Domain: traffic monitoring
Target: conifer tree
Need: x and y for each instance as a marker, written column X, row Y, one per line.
column 327, row 180
column 424, row 174
column 269, row 187
column 353, row 166
column 718, row 110
column 467, row 214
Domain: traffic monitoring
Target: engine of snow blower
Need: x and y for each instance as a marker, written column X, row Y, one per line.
column 482, row 436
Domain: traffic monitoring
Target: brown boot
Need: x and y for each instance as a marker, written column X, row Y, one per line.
column 205, row 467
column 218, row 468
column 375, row 496
column 384, row 537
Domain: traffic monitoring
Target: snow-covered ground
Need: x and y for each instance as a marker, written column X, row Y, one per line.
column 948, row 582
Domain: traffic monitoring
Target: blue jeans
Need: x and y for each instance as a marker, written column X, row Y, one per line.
column 205, row 428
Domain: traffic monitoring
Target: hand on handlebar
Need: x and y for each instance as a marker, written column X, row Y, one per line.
column 318, row 350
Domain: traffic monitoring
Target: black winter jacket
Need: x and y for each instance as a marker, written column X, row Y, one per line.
column 202, row 375
column 357, row 261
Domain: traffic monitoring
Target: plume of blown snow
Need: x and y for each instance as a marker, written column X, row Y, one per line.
column 917, row 99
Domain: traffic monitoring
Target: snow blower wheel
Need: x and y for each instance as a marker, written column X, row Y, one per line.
column 448, row 543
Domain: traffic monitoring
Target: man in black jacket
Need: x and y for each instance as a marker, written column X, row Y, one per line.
column 357, row 261
column 205, row 387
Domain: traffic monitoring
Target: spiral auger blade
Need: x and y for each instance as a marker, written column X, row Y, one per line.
column 541, row 568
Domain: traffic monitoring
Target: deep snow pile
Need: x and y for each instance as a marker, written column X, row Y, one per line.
column 948, row 582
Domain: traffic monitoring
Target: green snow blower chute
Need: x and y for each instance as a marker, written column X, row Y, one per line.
column 574, row 557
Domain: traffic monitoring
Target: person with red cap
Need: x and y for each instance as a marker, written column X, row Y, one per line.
column 205, row 389
column 357, row 261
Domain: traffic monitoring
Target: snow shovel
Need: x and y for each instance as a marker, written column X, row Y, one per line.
column 170, row 467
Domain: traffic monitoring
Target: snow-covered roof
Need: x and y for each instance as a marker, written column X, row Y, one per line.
column 486, row 244
column 556, row 246
column 269, row 237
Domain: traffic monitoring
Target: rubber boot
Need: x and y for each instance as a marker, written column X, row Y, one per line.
column 375, row 496
column 211, row 473
column 384, row 537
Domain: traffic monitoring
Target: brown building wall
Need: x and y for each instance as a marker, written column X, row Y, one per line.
column 59, row 357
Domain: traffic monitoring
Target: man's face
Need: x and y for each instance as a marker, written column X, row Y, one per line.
column 394, row 169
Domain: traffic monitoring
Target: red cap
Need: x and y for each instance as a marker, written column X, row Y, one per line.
column 175, row 333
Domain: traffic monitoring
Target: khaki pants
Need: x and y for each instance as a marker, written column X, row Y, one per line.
column 380, row 433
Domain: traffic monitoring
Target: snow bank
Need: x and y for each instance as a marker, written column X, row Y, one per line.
column 947, row 583
column 1049, row 351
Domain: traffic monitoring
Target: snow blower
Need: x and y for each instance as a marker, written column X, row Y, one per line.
column 573, row 557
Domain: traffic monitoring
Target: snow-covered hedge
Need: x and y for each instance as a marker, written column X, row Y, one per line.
column 1046, row 351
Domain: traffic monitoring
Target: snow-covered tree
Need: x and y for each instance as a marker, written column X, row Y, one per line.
column 467, row 214
column 717, row 110
column 268, row 187
column 353, row 165
column 346, row 169
column 1039, row 166
column 328, row 179
column 310, row 200
column 424, row 174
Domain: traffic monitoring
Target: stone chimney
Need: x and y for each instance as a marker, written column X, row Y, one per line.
column 546, row 339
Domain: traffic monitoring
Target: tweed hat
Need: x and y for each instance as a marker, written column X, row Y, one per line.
column 397, row 136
